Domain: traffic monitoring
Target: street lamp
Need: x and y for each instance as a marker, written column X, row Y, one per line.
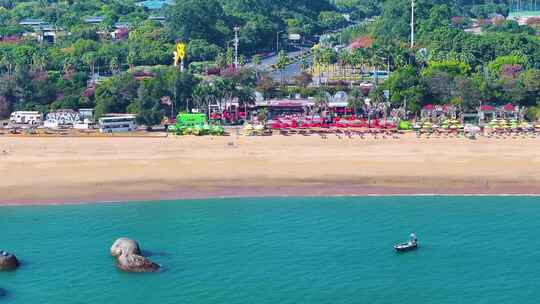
column 236, row 42
column 277, row 41
column 412, row 24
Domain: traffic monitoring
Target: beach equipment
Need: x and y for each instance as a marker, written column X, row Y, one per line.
column 253, row 130
column 194, row 124
column 405, row 125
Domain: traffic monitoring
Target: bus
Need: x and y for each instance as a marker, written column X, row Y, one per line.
column 123, row 123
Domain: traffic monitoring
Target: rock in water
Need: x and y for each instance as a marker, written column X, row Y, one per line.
column 3, row 292
column 8, row 261
column 136, row 263
column 128, row 254
column 124, row 246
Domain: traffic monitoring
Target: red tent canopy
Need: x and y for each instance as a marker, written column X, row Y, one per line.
column 509, row 107
column 428, row 107
column 487, row 108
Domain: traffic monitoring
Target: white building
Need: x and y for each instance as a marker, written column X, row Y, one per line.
column 26, row 117
column 64, row 118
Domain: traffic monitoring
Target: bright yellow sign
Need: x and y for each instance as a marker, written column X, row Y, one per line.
column 181, row 50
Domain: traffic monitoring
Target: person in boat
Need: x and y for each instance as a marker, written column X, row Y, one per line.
column 414, row 239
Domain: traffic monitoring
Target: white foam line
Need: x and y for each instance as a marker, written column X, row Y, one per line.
column 269, row 196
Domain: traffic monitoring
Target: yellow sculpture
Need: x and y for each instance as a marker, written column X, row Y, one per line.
column 180, row 53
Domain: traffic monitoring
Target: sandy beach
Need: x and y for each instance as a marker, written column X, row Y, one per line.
column 82, row 170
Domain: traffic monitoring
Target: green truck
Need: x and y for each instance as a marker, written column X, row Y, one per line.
column 194, row 124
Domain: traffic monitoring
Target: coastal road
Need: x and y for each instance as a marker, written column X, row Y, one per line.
column 266, row 63
column 290, row 71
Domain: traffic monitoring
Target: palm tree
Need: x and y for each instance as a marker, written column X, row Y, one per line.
column 343, row 61
column 327, row 57
column 376, row 60
column 357, row 61
column 317, row 63
column 282, row 62
column 256, row 60
column 113, row 65
column 90, row 60
column 7, row 60
column 221, row 60
column 38, row 62
column 355, row 100
column 68, row 65
column 322, row 100
column 131, row 57
column 360, row 57
column 245, row 96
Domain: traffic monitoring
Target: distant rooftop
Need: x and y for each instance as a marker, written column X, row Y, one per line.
column 524, row 14
column 32, row 22
column 157, row 18
column 154, row 4
column 122, row 25
column 94, row 19
column 47, row 28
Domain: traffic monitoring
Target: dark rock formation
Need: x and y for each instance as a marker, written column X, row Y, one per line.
column 8, row 261
column 129, row 258
column 136, row 263
column 124, row 246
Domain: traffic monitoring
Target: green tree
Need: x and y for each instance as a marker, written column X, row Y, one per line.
column 201, row 50
column 356, row 100
column 146, row 106
column 282, row 62
column 115, row 94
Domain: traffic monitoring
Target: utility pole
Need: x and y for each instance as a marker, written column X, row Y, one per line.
column 412, row 24
column 236, row 42
column 277, row 42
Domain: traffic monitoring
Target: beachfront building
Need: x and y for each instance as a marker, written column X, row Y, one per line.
column 62, row 118
column 86, row 115
column 112, row 123
column 26, row 118
column 285, row 106
column 436, row 113
column 121, row 30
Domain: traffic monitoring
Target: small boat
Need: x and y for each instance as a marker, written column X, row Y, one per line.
column 409, row 246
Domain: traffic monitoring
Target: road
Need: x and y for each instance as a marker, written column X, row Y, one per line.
column 290, row 71
column 266, row 63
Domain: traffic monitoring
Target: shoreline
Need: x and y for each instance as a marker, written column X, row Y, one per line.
column 3, row 205
column 56, row 171
column 291, row 190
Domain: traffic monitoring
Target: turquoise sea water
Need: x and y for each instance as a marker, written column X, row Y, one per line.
column 286, row 250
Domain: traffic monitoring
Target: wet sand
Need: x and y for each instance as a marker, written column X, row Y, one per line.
column 87, row 170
